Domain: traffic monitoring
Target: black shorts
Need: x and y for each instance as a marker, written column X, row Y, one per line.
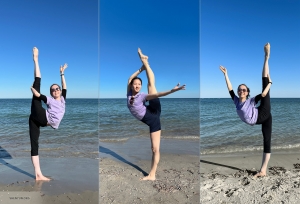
column 152, row 115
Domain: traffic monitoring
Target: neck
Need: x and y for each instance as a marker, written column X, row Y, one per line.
column 134, row 93
column 242, row 99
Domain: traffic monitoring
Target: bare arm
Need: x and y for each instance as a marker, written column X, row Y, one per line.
column 35, row 93
column 165, row 93
column 63, row 81
column 224, row 70
column 266, row 90
column 135, row 74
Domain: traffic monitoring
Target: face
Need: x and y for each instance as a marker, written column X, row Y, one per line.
column 136, row 85
column 242, row 91
column 55, row 91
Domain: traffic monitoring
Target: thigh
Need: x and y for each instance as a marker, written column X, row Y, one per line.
column 154, row 105
column 155, row 139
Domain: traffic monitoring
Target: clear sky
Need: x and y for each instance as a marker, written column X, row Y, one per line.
column 233, row 34
column 167, row 31
column 63, row 31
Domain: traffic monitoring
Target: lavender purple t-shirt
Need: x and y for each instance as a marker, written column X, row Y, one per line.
column 55, row 111
column 138, row 108
column 246, row 110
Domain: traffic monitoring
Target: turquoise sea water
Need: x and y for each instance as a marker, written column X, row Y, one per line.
column 222, row 131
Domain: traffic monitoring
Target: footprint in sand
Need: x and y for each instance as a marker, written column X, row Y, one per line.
column 230, row 192
column 245, row 181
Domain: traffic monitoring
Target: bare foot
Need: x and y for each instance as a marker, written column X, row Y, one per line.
column 35, row 53
column 148, row 178
column 143, row 57
column 41, row 177
column 259, row 174
column 267, row 50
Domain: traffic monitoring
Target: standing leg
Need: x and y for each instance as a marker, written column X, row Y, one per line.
column 267, row 132
column 149, row 72
column 34, row 131
column 36, row 119
column 265, row 112
column 155, row 144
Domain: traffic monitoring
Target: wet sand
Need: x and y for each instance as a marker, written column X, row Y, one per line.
column 123, row 164
column 75, row 180
column 229, row 179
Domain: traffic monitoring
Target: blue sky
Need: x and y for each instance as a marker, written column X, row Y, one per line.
column 233, row 34
column 63, row 31
column 167, row 31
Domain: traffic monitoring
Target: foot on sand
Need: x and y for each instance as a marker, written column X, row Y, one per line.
column 148, row 178
column 41, row 177
column 259, row 174
column 267, row 50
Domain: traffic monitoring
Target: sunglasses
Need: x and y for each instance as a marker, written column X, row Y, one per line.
column 56, row 89
column 131, row 100
column 242, row 90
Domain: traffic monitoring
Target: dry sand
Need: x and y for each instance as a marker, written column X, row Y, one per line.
column 177, row 178
column 229, row 179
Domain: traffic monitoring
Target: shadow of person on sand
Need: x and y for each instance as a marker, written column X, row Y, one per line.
column 231, row 167
column 5, row 155
column 115, row 155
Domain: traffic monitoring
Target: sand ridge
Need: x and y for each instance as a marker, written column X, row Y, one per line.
column 281, row 185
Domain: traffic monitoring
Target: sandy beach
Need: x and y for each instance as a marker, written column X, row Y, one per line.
column 74, row 180
column 229, row 179
column 177, row 179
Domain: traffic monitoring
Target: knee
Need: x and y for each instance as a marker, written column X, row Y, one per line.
column 155, row 150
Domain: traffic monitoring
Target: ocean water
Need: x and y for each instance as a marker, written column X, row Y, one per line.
column 77, row 135
column 179, row 120
column 222, row 131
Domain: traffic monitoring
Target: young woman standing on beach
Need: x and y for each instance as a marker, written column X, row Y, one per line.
column 150, row 114
column 251, row 115
column 40, row 117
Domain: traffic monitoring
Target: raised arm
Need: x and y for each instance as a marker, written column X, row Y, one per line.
column 160, row 94
column 63, row 81
column 224, row 70
column 135, row 74
column 266, row 90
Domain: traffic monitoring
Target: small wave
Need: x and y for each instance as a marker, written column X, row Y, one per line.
column 124, row 139
column 181, row 137
column 246, row 149
column 114, row 139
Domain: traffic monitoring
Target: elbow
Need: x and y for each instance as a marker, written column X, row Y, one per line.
column 263, row 95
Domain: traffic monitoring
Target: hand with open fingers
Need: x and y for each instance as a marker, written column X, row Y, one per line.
column 62, row 68
column 223, row 69
column 178, row 87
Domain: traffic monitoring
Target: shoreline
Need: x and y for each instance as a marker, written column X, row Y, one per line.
column 70, row 182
